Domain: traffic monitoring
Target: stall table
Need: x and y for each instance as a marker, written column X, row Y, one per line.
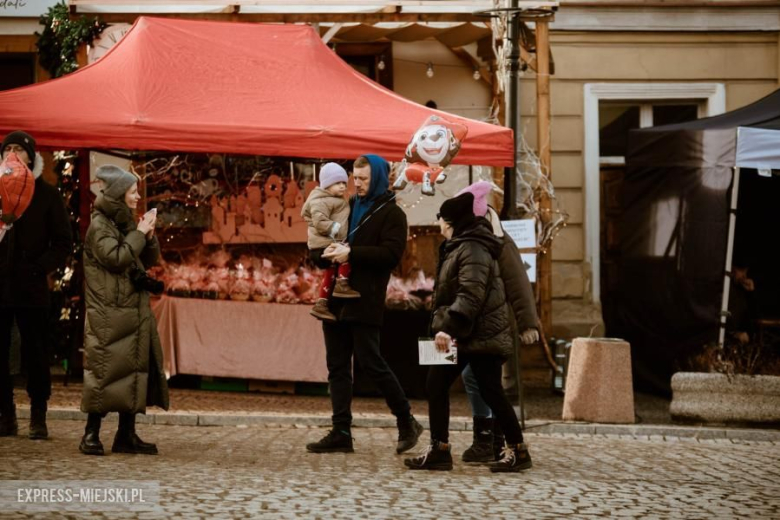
column 250, row 340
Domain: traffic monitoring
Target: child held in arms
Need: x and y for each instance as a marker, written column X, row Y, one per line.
column 326, row 211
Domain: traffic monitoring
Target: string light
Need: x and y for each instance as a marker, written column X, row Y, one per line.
column 429, row 67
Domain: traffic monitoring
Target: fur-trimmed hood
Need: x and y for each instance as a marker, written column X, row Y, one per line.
column 495, row 222
column 38, row 168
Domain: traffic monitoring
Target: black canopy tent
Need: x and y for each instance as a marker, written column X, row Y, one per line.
column 676, row 234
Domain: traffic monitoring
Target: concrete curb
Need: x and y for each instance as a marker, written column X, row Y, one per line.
column 660, row 431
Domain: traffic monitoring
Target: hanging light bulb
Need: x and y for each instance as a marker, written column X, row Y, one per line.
column 476, row 74
column 429, row 70
column 381, row 64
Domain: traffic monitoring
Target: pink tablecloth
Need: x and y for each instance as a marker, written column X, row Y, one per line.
column 250, row 340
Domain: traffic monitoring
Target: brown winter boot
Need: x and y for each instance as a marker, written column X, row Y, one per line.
column 343, row 289
column 320, row 311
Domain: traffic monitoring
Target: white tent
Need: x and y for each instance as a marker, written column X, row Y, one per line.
column 757, row 149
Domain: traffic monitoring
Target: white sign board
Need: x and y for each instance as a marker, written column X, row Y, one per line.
column 25, row 8
column 529, row 262
column 523, row 232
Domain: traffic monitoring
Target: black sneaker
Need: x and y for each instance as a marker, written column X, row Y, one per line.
column 513, row 459
column 408, row 434
column 436, row 457
column 334, row 442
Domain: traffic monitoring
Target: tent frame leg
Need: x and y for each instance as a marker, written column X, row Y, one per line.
column 724, row 305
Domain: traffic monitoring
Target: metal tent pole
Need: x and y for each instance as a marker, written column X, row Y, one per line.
column 509, row 210
column 724, row 305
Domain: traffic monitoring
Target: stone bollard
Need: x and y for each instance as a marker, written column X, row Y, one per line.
column 599, row 386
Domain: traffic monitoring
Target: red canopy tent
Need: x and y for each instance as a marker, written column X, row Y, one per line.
column 202, row 86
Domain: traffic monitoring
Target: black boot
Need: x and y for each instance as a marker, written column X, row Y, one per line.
column 514, row 458
column 435, row 457
column 338, row 440
column 90, row 443
column 409, row 431
column 481, row 449
column 38, row 429
column 8, row 424
column 498, row 440
column 126, row 440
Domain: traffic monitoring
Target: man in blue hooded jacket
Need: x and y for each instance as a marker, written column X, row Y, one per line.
column 377, row 239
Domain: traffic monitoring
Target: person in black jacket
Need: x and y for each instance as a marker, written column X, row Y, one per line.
column 471, row 312
column 37, row 245
column 488, row 437
column 376, row 242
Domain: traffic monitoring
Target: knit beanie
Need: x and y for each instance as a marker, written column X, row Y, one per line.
column 330, row 174
column 24, row 140
column 117, row 180
column 458, row 211
column 480, row 190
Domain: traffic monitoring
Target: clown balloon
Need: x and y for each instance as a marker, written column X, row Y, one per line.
column 432, row 148
column 17, row 185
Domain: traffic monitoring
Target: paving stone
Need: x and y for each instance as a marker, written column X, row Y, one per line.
column 260, row 472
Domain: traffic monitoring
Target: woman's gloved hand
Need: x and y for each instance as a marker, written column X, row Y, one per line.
column 529, row 336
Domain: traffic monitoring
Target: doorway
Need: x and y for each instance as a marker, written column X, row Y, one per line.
column 710, row 99
column 616, row 120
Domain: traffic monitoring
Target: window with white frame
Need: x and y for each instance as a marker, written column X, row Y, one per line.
column 616, row 118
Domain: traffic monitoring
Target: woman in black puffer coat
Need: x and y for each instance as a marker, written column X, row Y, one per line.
column 471, row 311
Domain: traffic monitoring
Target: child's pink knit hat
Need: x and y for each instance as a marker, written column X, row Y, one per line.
column 480, row 190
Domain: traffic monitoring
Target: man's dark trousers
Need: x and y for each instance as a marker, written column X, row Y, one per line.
column 33, row 324
column 342, row 339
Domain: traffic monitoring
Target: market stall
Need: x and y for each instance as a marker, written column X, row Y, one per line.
column 227, row 124
column 681, row 226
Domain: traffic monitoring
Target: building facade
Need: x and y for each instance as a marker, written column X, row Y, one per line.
column 617, row 65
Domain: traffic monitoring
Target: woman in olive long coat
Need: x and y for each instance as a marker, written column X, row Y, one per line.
column 123, row 371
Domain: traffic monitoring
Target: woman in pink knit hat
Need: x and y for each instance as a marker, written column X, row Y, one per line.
column 488, row 438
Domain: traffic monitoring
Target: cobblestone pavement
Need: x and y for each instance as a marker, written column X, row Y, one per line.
column 257, row 472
